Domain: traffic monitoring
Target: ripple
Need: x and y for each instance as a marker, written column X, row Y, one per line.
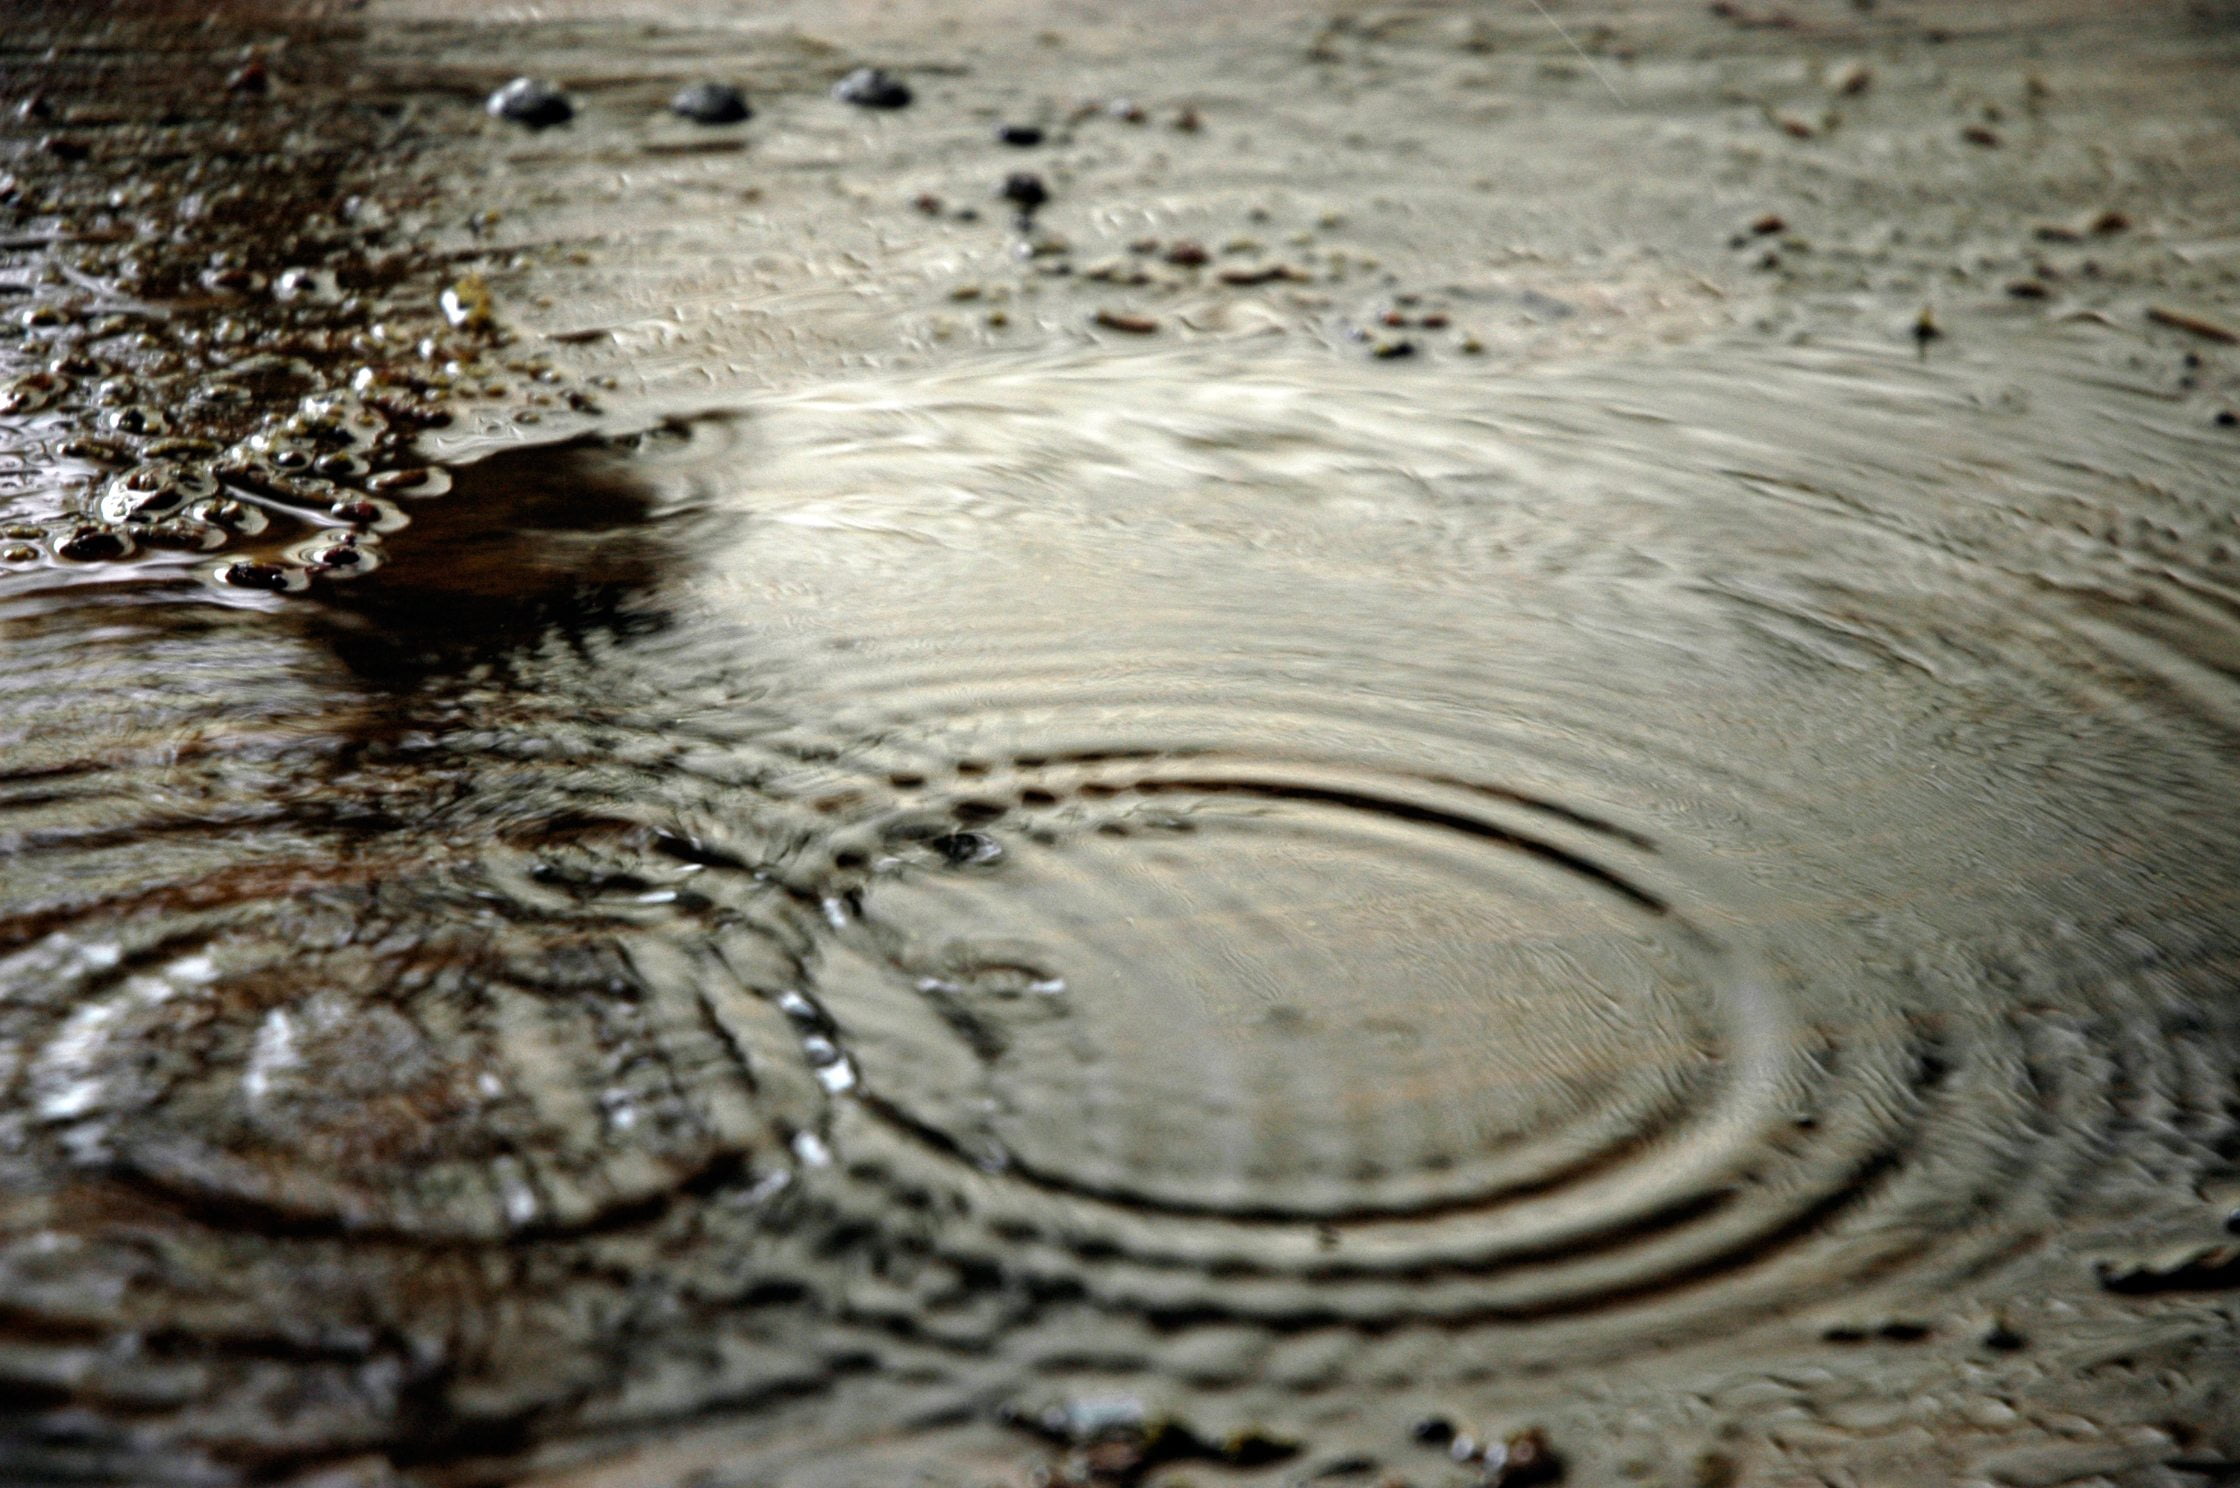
column 1309, row 888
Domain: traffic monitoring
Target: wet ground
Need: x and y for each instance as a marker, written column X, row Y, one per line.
column 1496, row 746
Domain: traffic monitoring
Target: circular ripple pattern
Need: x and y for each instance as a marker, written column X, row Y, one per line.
column 1308, row 889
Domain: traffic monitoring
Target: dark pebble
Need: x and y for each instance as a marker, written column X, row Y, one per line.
column 93, row 544
column 1432, row 1431
column 711, row 103
column 532, row 102
column 270, row 577
column 65, row 149
column 1023, row 136
column 251, row 80
column 1025, row 190
column 872, row 87
column 2004, row 1339
column 961, row 848
column 2226, row 419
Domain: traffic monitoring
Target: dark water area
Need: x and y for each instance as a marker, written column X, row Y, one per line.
column 1197, row 909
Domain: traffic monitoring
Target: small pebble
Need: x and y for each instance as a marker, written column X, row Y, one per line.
column 1386, row 350
column 1020, row 136
column 251, row 80
column 1120, row 320
column 872, row 87
column 711, row 103
column 1851, row 79
column 1186, row 254
column 1432, row 1431
column 1025, row 190
column 1981, row 135
column 272, row 578
column 93, row 544
column 1770, row 223
column 1926, row 329
column 531, row 102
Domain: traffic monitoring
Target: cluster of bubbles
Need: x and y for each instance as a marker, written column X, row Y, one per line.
column 226, row 370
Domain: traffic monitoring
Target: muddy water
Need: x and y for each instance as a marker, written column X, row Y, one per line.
column 1294, row 894
column 1205, row 907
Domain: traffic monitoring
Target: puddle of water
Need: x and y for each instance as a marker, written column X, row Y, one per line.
column 1294, row 890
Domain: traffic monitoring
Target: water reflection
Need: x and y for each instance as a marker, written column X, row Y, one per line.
column 1243, row 880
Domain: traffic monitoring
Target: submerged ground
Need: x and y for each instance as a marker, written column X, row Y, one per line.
column 1499, row 744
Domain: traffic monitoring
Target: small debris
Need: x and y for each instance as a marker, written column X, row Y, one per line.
column 2199, row 325
column 531, row 102
column 1121, row 320
column 2109, row 222
column 1391, row 348
column 251, row 79
column 1926, row 329
column 2227, row 418
column 1851, row 79
column 466, row 304
column 928, row 203
column 1795, row 126
column 711, row 103
column 1432, row 1431
column 1025, row 190
column 1263, row 274
column 2028, row 289
column 1186, row 254
column 1019, row 136
column 1770, row 223
column 874, row 88
column 1981, row 135
column 1126, row 110
column 1187, row 121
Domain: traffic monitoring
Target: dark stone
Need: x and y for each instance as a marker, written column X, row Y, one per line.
column 531, row 102
column 270, row 577
column 1024, row 189
column 872, row 87
column 93, row 544
column 1024, row 136
column 711, row 103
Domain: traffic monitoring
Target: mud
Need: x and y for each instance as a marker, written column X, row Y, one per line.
column 1504, row 754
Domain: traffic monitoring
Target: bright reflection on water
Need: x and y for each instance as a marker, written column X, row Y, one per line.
column 1318, row 887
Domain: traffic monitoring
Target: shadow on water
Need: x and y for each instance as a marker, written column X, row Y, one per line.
column 530, row 544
